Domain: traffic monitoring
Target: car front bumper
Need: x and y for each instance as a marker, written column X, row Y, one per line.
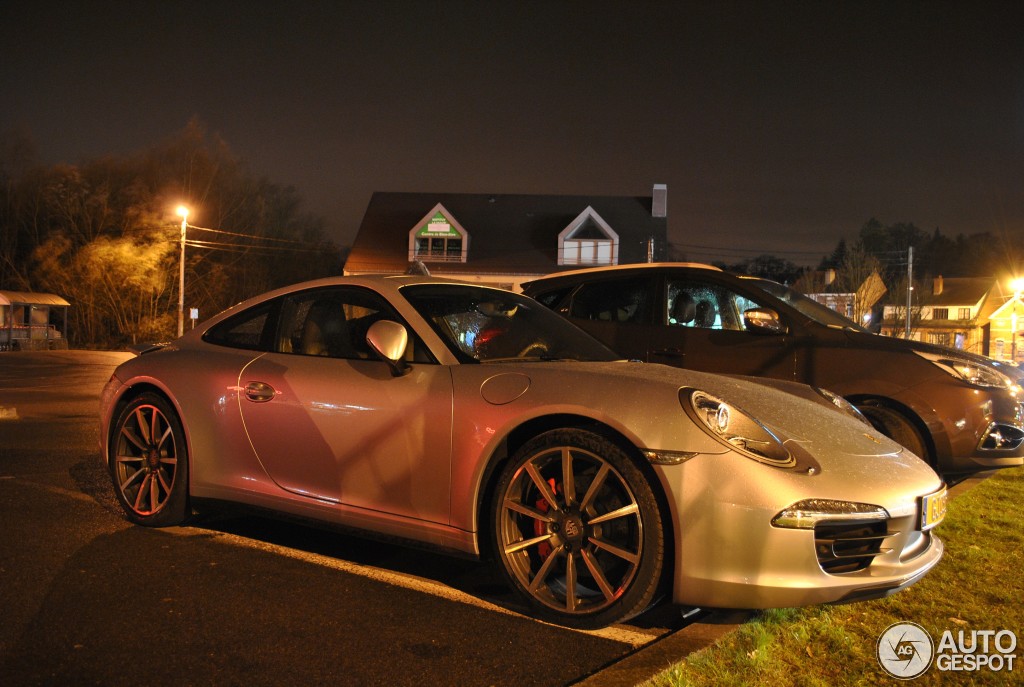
column 729, row 555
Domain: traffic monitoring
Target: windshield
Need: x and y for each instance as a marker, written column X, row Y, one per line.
column 821, row 314
column 481, row 324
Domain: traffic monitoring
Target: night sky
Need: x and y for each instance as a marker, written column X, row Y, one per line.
column 778, row 127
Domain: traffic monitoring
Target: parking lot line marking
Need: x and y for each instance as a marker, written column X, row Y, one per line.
column 411, row 582
column 619, row 634
column 70, row 493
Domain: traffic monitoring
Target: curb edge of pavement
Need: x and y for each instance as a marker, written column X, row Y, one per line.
column 650, row 660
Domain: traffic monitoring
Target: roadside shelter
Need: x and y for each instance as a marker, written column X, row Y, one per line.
column 32, row 321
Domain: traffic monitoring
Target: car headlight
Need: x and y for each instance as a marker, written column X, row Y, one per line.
column 968, row 371
column 843, row 405
column 738, row 429
column 806, row 514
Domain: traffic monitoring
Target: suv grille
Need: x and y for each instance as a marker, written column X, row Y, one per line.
column 848, row 547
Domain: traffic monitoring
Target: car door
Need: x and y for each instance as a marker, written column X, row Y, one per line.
column 329, row 421
column 618, row 311
column 701, row 326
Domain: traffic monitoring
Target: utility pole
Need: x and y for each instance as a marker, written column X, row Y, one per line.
column 183, row 211
column 910, row 285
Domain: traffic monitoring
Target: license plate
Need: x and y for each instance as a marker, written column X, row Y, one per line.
column 933, row 509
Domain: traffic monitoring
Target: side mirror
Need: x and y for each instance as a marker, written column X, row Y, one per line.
column 763, row 321
column 388, row 340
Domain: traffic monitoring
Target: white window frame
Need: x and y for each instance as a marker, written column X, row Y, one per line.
column 588, row 251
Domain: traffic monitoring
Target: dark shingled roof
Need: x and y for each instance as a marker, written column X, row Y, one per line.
column 961, row 291
column 508, row 234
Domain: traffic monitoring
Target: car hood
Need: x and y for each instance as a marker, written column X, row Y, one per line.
column 644, row 392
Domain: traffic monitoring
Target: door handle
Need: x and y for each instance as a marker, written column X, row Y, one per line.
column 669, row 352
column 259, row 392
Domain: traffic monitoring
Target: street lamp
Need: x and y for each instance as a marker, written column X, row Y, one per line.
column 183, row 211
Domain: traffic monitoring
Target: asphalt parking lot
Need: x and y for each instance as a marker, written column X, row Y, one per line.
column 236, row 598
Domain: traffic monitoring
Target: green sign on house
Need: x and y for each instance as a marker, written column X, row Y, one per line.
column 438, row 226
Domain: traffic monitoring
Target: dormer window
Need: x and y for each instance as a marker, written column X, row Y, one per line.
column 588, row 240
column 438, row 237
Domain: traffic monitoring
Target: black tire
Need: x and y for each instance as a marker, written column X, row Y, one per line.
column 148, row 462
column 587, row 556
column 897, row 427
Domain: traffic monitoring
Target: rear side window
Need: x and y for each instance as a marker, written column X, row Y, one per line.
column 248, row 329
column 613, row 300
column 552, row 298
column 333, row 322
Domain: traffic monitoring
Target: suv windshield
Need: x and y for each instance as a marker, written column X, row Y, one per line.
column 808, row 306
column 481, row 324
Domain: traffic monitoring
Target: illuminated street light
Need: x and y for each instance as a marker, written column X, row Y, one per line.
column 183, row 211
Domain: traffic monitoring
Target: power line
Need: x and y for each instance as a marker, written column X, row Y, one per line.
column 237, row 248
column 749, row 251
column 247, row 236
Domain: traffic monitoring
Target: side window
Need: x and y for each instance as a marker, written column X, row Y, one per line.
column 551, row 299
column 333, row 322
column 247, row 329
column 705, row 305
column 613, row 300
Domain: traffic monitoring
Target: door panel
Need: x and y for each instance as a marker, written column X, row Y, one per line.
column 617, row 311
column 329, row 421
column 348, row 431
column 701, row 327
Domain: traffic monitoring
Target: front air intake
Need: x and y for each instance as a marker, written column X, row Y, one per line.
column 848, row 547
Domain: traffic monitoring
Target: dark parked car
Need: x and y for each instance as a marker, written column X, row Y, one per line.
column 954, row 409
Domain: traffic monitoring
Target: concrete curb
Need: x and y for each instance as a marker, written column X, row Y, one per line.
column 659, row 655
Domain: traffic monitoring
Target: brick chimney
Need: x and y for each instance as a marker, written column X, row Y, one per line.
column 659, row 201
column 937, row 286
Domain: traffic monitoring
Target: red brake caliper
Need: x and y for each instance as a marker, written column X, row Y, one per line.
column 539, row 526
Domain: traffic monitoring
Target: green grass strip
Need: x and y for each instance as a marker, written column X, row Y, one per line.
column 978, row 585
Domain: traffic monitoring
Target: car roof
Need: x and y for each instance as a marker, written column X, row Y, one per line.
column 613, row 269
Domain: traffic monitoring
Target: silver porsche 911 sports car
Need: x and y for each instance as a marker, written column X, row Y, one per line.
column 475, row 420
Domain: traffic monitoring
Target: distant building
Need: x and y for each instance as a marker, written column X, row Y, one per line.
column 29, row 321
column 863, row 305
column 1005, row 327
column 957, row 313
column 506, row 240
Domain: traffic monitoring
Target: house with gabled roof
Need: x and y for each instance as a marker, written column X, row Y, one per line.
column 506, row 239
column 1006, row 325
column 956, row 313
column 864, row 305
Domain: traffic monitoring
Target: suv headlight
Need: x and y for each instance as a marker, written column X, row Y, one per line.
column 843, row 405
column 968, row 371
column 736, row 429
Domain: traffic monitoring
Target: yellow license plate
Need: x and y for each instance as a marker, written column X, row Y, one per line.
column 933, row 509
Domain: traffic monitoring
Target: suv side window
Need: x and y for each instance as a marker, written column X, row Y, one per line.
column 704, row 305
column 552, row 298
column 613, row 300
